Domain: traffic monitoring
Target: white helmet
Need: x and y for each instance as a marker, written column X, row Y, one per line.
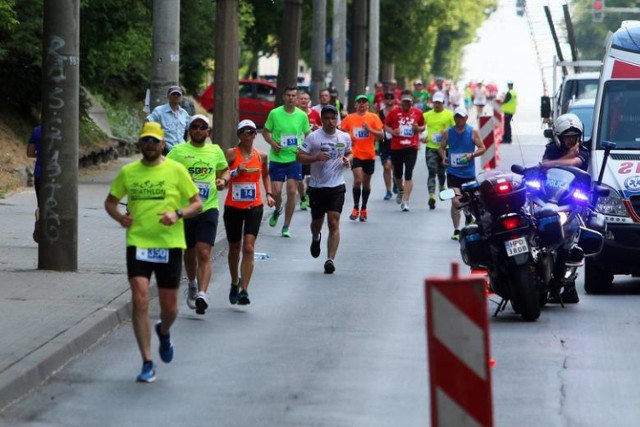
column 566, row 124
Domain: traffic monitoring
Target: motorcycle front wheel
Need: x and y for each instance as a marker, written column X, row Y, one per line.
column 524, row 293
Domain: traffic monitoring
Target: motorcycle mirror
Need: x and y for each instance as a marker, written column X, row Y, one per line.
column 447, row 194
column 602, row 191
column 590, row 241
column 548, row 133
column 608, row 146
column 518, row 169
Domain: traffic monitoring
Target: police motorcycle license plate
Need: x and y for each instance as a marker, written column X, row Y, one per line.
column 516, row 246
column 157, row 255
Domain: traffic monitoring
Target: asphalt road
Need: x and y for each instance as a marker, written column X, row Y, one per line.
column 349, row 349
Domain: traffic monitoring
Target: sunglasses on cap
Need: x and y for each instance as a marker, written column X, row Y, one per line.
column 175, row 94
column 150, row 140
column 247, row 132
column 198, row 127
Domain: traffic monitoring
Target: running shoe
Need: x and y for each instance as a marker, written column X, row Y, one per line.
column 243, row 297
column 404, row 207
column 395, row 189
column 456, row 235
column 191, row 294
column 355, row 213
column 304, row 203
column 148, row 374
column 273, row 219
column 166, row 347
column 388, row 196
column 329, row 267
column 468, row 219
column 399, row 197
column 234, row 292
column 363, row 215
column 315, row 246
column 432, row 202
column 201, row 303
column 285, row 231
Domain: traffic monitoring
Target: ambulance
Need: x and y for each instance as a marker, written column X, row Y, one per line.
column 617, row 120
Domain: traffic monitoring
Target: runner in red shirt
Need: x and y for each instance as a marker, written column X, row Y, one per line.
column 405, row 125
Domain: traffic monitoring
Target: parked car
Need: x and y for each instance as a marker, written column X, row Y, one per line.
column 583, row 108
column 256, row 99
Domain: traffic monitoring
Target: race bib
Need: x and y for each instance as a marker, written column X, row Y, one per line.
column 360, row 133
column 406, row 131
column 289, row 140
column 243, row 191
column 436, row 137
column 203, row 189
column 156, row 255
column 458, row 160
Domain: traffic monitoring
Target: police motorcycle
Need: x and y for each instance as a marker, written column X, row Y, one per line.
column 561, row 204
column 499, row 239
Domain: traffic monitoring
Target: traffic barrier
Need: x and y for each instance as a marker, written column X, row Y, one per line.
column 498, row 123
column 487, row 131
column 458, row 348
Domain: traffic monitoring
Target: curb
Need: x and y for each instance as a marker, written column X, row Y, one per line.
column 32, row 371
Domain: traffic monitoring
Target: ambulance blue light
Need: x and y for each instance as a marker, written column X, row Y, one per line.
column 627, row 37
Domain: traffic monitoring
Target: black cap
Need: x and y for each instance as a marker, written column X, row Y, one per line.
column 328, row 108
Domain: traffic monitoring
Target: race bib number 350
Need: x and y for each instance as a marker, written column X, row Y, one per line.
column 157, row 255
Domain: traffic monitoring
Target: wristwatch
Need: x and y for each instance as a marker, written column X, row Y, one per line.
column 179, row 213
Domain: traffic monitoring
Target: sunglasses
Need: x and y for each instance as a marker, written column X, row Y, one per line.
column 150, row 140
column 198, row 127
column 176, row 94
column 389, row 97
column 248, row 132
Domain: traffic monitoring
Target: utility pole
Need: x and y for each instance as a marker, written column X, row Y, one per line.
column 358, row 52
column 166, row 49
column 318, row 42
column 289, row 47
column 225, row 114
column 373, row 74
column 58, row 223
column 338, row 57
column 570, row 35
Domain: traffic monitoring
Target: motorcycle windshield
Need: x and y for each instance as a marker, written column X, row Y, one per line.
column 557, row 184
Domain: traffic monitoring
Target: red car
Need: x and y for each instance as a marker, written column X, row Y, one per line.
column 257, row 99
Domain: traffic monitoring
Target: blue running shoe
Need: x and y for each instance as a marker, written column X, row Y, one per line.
column 148, row 374
column 166, row 347
column 388, row 196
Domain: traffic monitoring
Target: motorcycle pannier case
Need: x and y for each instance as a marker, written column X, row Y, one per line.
column 473, row 247
column 501, row 194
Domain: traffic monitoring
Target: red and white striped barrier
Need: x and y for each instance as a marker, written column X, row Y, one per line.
column 487, row 132
column 458, row 347
column 498, row 122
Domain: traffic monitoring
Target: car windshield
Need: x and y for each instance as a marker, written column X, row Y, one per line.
column 585, row 114
column 620, row 117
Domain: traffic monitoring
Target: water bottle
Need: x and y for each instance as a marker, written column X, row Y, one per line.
column 260, row 255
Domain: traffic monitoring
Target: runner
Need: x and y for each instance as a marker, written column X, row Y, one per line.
column 437, row 120
column 315, row 123
column 243, row 208
column 462, row 142
column 328, row 151
column 208, row 168
column 404, row 124
column 384, row 147
column 154, row 187
column 284, row 131
column 364, row 128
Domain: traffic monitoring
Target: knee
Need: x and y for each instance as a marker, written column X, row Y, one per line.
column 204, row 255
column 248, row 250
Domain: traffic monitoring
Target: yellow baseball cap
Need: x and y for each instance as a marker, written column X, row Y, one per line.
column 152, row 129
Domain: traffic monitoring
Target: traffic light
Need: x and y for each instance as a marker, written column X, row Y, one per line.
column 598, row 10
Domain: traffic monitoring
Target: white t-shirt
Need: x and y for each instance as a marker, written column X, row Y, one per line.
column 328, row 173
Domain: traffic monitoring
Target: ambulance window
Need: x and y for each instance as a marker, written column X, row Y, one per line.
column 620, row 120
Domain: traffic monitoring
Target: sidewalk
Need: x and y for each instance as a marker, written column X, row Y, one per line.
column 48, row 317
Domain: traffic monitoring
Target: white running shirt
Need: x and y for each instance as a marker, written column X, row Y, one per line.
column 328, row 173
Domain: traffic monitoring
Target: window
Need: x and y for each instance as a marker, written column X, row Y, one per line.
column 620, row 116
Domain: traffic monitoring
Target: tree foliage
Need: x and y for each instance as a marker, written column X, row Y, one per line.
column 420, row 37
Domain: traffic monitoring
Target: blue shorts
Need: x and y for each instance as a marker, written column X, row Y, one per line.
column 282, row 172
